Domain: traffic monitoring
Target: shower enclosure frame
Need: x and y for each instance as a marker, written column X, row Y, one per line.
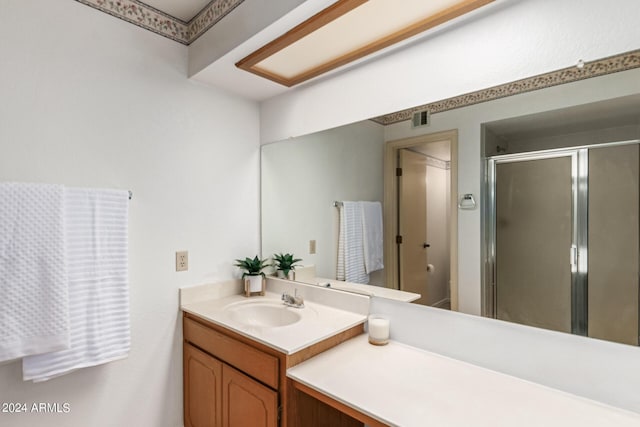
column 578, row 252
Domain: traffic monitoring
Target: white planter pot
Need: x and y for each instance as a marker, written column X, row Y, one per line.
column 255, row 283
column 290, row 276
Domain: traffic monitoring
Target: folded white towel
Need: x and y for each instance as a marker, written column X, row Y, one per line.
column 97, row 255
column 350, row 266
column 372, row 235
column 33, row 281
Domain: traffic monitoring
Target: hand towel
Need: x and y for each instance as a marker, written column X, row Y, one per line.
column 372, row 235
column 350, row 266
column 33, row 282
column 97, row 262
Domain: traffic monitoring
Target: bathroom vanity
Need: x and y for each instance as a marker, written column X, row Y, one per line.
column 232, row 381
column 254, row 361
column 237, row 351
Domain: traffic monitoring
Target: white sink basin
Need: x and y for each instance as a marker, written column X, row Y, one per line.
column 263, row 313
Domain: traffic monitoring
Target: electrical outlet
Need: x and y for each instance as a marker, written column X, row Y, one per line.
column 182, row 261
column 312, row 246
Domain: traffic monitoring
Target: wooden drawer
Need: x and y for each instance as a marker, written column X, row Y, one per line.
column 251, row 361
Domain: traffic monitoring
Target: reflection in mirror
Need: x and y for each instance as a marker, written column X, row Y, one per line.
column 327, row 166
column 563, row 214
column 316, row 187
column 303, row 177
column 419, row 178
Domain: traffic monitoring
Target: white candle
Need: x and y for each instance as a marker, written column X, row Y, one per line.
column 378, row 330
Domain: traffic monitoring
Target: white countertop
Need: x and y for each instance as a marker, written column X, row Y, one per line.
column 317, row 323
column 368, row 290
column 401, row 385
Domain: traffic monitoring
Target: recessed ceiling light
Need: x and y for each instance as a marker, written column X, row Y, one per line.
column 346, row 31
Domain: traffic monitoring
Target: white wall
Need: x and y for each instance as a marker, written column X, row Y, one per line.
column 506, row 41
column 302, row 177
column 90, row 100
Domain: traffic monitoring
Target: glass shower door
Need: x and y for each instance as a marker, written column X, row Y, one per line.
column 534, row 202
column 564, row 245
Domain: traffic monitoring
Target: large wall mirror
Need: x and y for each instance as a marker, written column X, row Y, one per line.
column 302, row 177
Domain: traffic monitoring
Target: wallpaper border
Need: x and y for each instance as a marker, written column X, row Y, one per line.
column 149, row 18
column 600, row 67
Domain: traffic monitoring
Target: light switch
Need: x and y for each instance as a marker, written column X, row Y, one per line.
column 312, row 246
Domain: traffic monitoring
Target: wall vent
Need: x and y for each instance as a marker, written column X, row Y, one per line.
column 420, row 118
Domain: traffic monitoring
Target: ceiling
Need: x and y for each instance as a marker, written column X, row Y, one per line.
column 346, row 31
column 184, row 10
column 219, row 33
column 228, row 30
column 222, row 72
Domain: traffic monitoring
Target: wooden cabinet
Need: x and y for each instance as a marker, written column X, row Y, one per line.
column 202, row 389
column 217, row 395
column 314, row 409
column 233, row 381
column 311, row 412
column 247, row 402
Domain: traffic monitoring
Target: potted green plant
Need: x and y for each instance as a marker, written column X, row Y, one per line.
column 252, row 275
column 285, row 264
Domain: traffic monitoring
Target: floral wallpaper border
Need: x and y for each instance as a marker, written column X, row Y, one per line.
column 149, row 18
column 209, row 16
column 612, row 64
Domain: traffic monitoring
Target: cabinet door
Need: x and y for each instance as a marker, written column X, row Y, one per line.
column 202, row 389
column 246, row 402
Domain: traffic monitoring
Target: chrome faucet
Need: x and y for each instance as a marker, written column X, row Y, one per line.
column 293, row 300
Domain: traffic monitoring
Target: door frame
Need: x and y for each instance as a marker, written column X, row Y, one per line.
column 390, row 207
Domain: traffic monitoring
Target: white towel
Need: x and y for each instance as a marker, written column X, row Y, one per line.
column 97, row 261
column 372, row 235
column 33, row 282
column 350, row 266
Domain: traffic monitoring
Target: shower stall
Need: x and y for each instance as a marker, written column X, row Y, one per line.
column 562, row 234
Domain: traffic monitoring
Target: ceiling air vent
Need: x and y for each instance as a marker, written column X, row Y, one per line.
column 420, row 118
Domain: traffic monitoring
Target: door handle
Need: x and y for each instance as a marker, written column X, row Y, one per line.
column 426, row 245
